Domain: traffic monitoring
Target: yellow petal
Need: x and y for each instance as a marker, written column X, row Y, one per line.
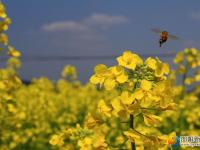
column 151, row 63
column 100, row 68
column 126, row 98
column 109, row 84
column 13, row 52
column 4, row 38
column 116, row 104
column 95, row 79
column 152, row 120
column 138, row 94
column 104, row 109
column 122, row 77
column 146, row 85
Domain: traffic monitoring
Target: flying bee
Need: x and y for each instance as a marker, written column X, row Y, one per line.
column 164, row 36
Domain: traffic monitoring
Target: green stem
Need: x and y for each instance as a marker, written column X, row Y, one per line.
column 133, row 146
column 140, row 134
column 149, row 108
column 181, row 122
column 183, row 80
column 184, row 86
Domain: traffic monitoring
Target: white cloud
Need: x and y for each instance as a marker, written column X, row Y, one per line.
column 106, row 20
column 85, row 34
column 85, row 25
column 195, row 15
column 64, row 26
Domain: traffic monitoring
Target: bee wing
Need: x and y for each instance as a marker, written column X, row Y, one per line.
column 156, row 30
column 173, row 37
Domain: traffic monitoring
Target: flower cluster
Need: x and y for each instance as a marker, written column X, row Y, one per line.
column 133, row 107
column 187, row 60
column 142, row 88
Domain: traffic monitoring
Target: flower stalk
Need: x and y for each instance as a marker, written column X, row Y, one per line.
column 133, row 146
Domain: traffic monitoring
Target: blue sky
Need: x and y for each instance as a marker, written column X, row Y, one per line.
column 97, row 27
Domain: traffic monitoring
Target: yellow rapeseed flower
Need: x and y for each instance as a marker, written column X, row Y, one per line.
column 151, row 63
column 104, row 109
column 116, row 104
column 5, row 24
column 2, row 11
column 55, row 140
column 120, row 74
column 85, row 144
column 109, row 83
column 101, row 72
column 138, row 94
column 69, row 71
column 179, row 58
column 2, row 85
column 126, row 98
column 4, row 38
column 99, row 142
column 13, row 52
column 152, row 120
column 146, row 85
column 189, row 80
column 129, row 60
column 109, row 77
column 161, row 69
column 197, row 75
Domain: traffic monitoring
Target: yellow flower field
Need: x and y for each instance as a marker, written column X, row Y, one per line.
column 136, row 104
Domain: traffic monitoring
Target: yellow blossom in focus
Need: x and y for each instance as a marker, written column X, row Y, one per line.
column 119, row 73
column 151, row 63
column 126, row 98
column 117, row 106
column 101, row 71
column 109, row 84
column 129, row 60
column 146, row 85
column 109, row 77
column 138, row 94
column 161, row 68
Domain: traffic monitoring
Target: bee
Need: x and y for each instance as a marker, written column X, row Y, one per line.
column 164, row 36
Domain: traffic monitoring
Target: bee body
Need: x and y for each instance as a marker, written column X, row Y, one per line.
column 164, row 36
